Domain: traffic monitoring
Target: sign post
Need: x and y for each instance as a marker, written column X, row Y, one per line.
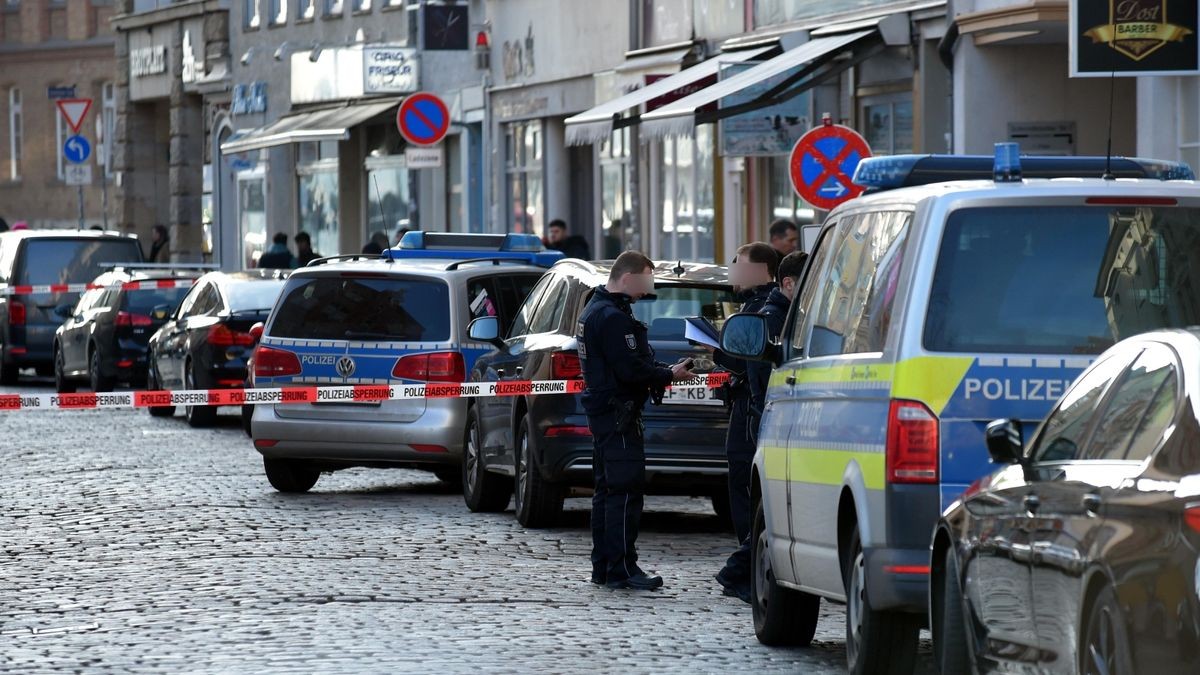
column 823, row 162
column 76, row 149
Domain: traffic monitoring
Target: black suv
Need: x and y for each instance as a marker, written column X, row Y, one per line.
column 543, row 440
column 105, row 339
column 43, row 258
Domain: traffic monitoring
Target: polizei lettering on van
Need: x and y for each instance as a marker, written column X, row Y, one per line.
column 1024, row 389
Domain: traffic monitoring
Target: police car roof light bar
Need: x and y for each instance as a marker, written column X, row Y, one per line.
column 511, row 247
column 897, row 171
column 1006, row 167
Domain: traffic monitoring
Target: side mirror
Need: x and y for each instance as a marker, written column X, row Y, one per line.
column 256, row 331
column 745, row 336
column 1005, row 442
column 486, row 329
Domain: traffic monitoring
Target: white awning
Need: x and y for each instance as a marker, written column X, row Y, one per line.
column 330, row 124
column 595, row 125
column 680, row 117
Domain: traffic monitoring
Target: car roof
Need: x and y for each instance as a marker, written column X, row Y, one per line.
column 438, row 267
column 595, row 273
column 120, row 274
column 247, row 275
column 67, row 234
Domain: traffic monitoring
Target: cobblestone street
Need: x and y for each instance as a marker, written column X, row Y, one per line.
column 138, row 544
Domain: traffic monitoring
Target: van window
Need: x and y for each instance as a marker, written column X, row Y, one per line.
column 1062, row 279
column 858, row 291
column 808, row 289
column 549, row 313
column 665, row 311
column 363, row 308
column 72, row 261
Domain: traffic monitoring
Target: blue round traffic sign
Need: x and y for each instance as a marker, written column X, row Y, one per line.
column 423, row 119
column 76, row 149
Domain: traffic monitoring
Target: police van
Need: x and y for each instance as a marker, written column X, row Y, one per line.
column 391, row 319
column 924, row 313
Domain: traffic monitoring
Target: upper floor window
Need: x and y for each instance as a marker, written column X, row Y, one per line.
column 253, row 18
column 306, row 10
column 362, row 5
column 278, row 13
column 16, row 133
column 333, row 7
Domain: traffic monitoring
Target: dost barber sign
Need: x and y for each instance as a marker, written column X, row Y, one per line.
column 1134, row 37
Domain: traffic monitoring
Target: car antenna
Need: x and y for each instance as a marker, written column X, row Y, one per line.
column 679, row 268
column 382, row 214
column 1112, row 86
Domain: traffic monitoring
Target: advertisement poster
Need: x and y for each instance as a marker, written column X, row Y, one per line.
column 1134, row 37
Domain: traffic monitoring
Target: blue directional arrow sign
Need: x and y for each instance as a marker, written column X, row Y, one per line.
column 77, row 149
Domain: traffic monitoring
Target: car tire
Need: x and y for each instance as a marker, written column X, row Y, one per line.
column 450, row 475
column 1105, row 644
column 539, row 503
column 62, row 384
column 483, row 491
column 783, row 617
column 290, row 475
column 44, row 371
column 96, row 378
column 199, row 416
column 10, row 374
column 876, row 642
column 152, row 383
column 948, row 621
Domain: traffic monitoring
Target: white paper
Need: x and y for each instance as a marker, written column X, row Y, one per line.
column 696, row 335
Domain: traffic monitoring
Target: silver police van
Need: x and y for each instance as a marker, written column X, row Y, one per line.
column 924, row 313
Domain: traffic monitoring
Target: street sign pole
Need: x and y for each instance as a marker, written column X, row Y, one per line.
column 81, row 207
column 106, row 157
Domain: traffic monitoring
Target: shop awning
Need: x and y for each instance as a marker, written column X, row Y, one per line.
column 681, row 116
column 330, row 124
column 597, row 124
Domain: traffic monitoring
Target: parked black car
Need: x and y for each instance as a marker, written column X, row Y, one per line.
column 207, row 342
column 1080, row 555
column 105, row 336
column 543, row 441
column 43, row 258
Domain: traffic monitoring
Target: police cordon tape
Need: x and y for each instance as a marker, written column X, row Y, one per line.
column 149, row 285
column 298, row 395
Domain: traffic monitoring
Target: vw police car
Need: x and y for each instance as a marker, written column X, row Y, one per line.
column 397, row 318
column 924, row 313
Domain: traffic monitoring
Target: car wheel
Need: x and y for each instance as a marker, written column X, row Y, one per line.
column 876, row 642
column 44, row 371
column 61, row 384
column 290, row 475
column 949, row 629
column 198, row 416
column 1105, row 648
column 539, row 502
column 483, row 491
column 96, row 378
column 9, row 373
column 782, row 616
column 152, row 382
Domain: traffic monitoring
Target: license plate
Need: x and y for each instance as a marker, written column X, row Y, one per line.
column 691, row 397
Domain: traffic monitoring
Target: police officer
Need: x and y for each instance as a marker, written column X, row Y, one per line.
column 619, row 373
column 752, row 274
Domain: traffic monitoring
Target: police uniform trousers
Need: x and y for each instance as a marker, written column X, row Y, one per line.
column 619, row 464
column 741, row 440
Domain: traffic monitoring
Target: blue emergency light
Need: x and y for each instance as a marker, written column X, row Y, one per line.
column 525, row 248
column 1006, row 167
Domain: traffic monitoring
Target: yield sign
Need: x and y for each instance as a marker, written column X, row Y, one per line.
column 823, row 162
column 74, row 110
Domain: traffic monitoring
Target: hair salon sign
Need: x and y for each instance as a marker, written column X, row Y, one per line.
column 1134, row 37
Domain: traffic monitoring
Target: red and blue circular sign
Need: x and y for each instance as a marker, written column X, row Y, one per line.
column 423, row 119
column 823, row 162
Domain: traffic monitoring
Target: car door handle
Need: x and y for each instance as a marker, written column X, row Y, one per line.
column 1091, row 503
column 1032, row 503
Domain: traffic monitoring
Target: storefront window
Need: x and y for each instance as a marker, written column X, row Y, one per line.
column 783, row 199
column 666, row 22
column 389, row 206
column 618, row 228
column 686, row 186
column 252, row 216
column 1189, row 121
column 318, row 190
column 523, row 153
column 887, row 124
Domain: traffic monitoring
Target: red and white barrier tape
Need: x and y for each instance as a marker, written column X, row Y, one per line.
column 152, row 284
column 358, row 393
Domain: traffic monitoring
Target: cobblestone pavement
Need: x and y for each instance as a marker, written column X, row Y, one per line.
column 138, row 544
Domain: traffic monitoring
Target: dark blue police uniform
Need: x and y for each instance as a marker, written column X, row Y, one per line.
column 619, row 372
column 747, row 396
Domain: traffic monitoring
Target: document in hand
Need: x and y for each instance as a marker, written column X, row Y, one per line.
column 698, row 329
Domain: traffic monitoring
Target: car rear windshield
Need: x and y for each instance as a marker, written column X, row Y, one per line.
column 363, row 308
column 73, row 261
column 1062, row 279
column 249, row 296
column 144, row 301
column 665, row 314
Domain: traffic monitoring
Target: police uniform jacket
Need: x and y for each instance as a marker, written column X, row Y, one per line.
column 745, row 373
column 618, row 363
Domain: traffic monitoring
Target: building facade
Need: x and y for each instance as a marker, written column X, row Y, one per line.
column 51, row 50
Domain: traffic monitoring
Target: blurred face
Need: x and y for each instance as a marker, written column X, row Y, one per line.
column 744, row 274
column 787, row 243
column 556, row 234
column 636, row 286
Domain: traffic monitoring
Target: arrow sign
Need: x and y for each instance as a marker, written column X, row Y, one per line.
column 77, row 149
column 74, row 110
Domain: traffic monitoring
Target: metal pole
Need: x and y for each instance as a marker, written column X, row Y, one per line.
column 81, row 207
column 104, row 184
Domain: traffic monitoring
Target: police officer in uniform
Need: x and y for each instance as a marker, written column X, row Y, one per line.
column 752, row 274
column 619, row 374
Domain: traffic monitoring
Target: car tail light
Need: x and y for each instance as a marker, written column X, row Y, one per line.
column 265, row 442
column 16, row 313
column 434, row 367
column 271, row 362
column 565, row 366
column 566, row 430
column 906, row 569
column 1191, row 516
column 127, row 319
column 221, row 336
column 424, row 447
column 912, row 443
column 1132, row 201
column 125, row 363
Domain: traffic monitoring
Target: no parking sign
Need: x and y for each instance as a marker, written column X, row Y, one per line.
column 823, row 162
column 423, row 119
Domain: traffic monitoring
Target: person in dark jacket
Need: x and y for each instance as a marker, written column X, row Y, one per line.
column 572, row 246
column 377, row 245
column 619, row 372
column 159, row 245
column 304, row 250
column 277, row 257
column 784, row 237
column 753, row 277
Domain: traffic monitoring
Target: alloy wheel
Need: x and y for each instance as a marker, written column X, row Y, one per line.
column 855, row 605
column 763, row 576
column 522, row 467
column 472, row 458
column 1102, row 657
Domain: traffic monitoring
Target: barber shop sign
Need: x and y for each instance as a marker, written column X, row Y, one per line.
column 1134, row 37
